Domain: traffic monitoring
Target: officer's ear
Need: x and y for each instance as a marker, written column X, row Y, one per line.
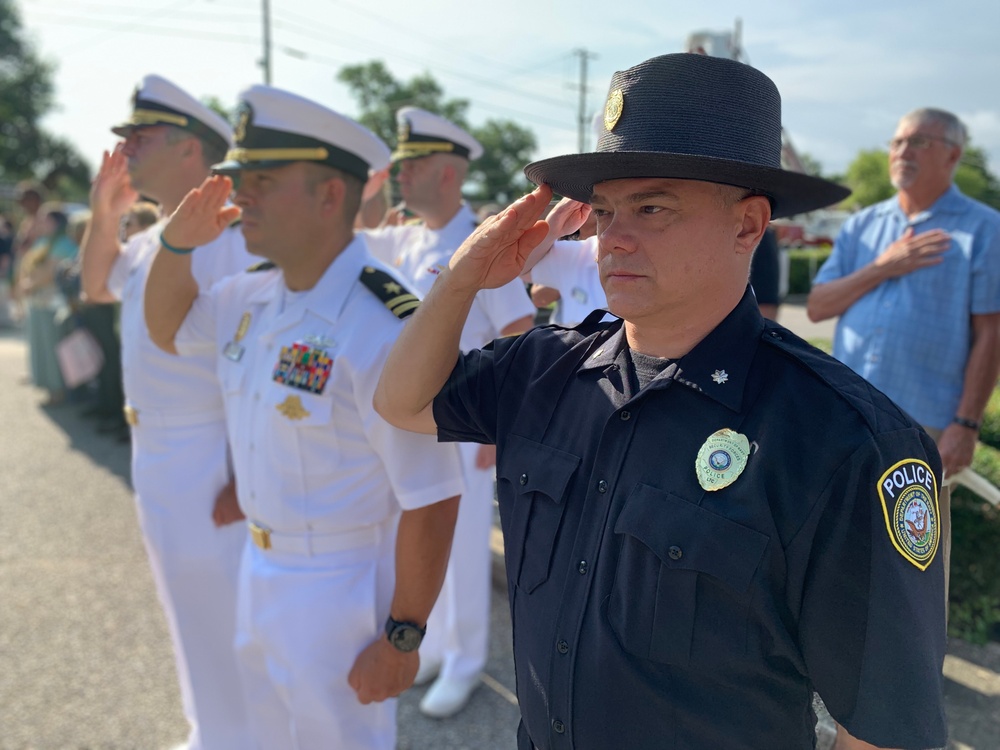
column 755, row 214
column 329, row 188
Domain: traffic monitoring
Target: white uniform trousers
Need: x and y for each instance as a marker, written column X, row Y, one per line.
column 302, row 622
column 177, row 473
column 458, row 627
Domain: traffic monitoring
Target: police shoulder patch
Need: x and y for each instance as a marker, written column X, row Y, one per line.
column 909, row 496
column 390, row 292
column 264, row 265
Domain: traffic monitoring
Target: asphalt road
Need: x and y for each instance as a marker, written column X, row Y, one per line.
column 85, row 658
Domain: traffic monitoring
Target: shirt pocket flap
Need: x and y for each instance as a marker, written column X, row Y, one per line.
column 685, row 536
column 534, row 467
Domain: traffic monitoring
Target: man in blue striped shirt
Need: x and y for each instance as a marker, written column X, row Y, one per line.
column 916, row 283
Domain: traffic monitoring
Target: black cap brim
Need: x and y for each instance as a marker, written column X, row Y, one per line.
column 575, row 175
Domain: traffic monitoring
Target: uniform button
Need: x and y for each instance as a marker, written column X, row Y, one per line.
column 256, row 396
column 582, row 567
column 558, row 726
column 562, row 647
column 524, row 479
column 675, row 552
column 251, row 446
column 626, row 416
column 775, row 335
column 602, row 486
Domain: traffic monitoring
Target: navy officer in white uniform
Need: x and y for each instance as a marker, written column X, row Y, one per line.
column 180, row 464
column 351, row 520
column 433, row 155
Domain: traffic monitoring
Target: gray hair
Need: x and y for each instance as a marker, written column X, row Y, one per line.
column 954, row 130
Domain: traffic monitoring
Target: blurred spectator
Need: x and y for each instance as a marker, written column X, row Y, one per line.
column 140, row 217
column 38, row 288
column 765, row 275
column 6, row 269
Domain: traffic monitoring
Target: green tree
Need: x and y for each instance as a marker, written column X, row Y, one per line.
column 975, row 179
column 868, row 178
column 26, row 95
column 496, row 176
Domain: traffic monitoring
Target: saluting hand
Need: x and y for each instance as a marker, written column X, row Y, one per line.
column 913, row 251
column 495, row 253
column 382, row 671
column 111, row 192
column 202, row 215
column 567, row 217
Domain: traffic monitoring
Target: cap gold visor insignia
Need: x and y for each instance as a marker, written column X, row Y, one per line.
column 246, row 155
column 155, row 117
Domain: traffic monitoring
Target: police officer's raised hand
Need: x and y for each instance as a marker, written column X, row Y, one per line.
column 202, row 215
column 382, row 671
column 111, row 192
column 496, row 252
column 912, row 252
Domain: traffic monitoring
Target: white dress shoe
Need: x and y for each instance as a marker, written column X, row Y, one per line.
column 427, row 671
column 448, row 696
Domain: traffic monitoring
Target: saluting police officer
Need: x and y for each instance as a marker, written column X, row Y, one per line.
column 705, row 517
column 433, row 155
column 180, row 465
column 329, row 615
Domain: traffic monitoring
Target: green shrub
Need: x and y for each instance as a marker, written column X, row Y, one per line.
column 803, row 265
column 990, row 433
column 974, row 606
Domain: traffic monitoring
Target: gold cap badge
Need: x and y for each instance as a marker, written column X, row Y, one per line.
column 613, row 109
column 721, row 459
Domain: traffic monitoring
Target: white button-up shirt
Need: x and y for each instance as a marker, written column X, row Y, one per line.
column 421, row 254
column 571, row 267
column 310, row 453
column 154, row 379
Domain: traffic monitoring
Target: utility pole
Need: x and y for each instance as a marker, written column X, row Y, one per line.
column 265, row 61
column 583, row 122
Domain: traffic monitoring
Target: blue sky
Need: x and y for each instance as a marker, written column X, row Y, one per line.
column 846, row 71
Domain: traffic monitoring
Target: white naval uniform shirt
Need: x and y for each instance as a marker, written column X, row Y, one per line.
column 421, row 254
column 571, row 267
column 314, row 462
column 154, row 379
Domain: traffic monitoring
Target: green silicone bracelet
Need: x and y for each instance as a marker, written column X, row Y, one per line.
column 176, row 250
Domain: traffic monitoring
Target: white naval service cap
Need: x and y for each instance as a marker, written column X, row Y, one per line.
column 422, row 133
column 276, row 127
column 157, row 101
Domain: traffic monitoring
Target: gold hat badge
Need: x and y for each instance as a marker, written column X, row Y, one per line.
column 613, row 109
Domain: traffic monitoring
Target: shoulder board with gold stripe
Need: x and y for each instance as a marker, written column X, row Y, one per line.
column 414, row 222
column 390, row 292
column 264, row 265
column 236, row 223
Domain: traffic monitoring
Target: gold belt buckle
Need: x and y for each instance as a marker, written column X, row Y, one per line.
column 131, row 416
column 260, row 536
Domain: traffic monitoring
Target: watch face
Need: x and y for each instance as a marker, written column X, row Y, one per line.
column 406, row 637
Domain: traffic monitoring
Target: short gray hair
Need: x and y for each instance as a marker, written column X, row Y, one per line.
column 954, row 130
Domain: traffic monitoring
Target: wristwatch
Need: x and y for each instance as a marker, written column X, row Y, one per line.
column 970, row 423
column 404, row 636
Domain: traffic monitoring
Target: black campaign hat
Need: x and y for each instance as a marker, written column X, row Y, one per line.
column 693, row 117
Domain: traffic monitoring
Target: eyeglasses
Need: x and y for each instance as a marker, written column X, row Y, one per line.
column 917, row 142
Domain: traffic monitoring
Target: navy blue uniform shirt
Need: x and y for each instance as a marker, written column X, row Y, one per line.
column 651, row 613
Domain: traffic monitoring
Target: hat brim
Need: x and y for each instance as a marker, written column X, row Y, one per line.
column 232, row 166
column 575, row 175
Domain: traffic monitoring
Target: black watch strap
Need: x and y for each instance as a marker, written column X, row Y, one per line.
column 970, row 423
column 404, row 636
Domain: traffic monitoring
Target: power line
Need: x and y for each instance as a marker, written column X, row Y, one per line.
column 156, row 30
column 336, row 62
column 140, row 13
column 366, row 45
